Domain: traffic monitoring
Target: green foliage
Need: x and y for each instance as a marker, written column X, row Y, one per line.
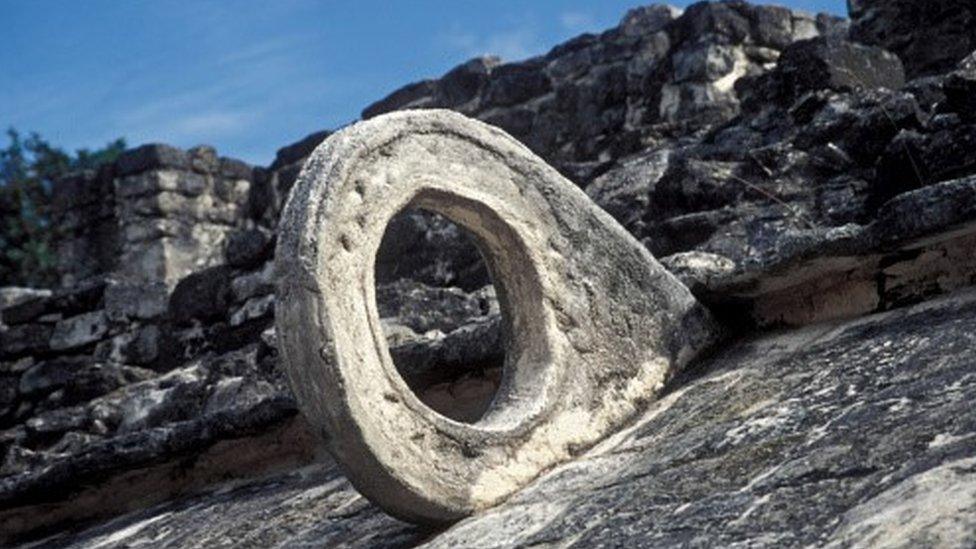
column 28, row 169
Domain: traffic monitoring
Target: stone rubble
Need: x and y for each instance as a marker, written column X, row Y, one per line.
column 847, row 434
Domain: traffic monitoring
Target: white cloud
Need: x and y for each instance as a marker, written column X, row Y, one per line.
column 263, row 52
column 575, row 21
column 510, row 45
column 240, row 92
column 210, row 123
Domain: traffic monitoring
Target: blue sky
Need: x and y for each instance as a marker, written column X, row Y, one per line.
column 252, row 76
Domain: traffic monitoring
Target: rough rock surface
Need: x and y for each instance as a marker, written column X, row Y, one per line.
column 659, row 78
column 847, row 434
column 778, row 200
column 721, row 129
column 92, row 425
column 930, row 35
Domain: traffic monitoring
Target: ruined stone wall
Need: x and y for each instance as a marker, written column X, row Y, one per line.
column 153, row 216
column 660, row 73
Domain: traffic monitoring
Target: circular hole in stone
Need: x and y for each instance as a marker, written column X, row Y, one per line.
column 440, row 314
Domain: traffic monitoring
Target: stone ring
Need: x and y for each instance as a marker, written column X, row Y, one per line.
column 594, row 325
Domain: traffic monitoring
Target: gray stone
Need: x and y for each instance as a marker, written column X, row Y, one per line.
column 235, row 393
column 698, row 269
column 959, row 88
column 141, row 346
column 428, row 248
column 254, row 308
column 76, row 379
column 616, row 96
column 204, row 159
column 546, row 244
column 15, row 295
column 78, row 331
column 252, row 284
column 249, row 248
column 148, row 157
column 930, row 36
column 130, row 301
column 298, row 151
column 82, row 297
column 25, row 339
column 836, row 64
column 167, row 399
column 424, row 308
column 435, row 357
column 516, row 83
column 231, row 168
column 795, row 439
column 913, row 160
column 55, row 422
column 203, row 295
column 624, row 191
column 858, row 433
column 648, row 19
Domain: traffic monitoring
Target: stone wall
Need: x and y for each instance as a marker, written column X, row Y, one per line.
column 660, row 73
column 152, row 217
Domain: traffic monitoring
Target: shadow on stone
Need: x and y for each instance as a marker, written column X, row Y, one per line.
column 461, row 378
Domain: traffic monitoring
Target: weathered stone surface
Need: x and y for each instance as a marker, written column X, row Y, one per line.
column 433, row 358
column 136, row 420
column 831, row 63
column 545, row 253
column 698, row 269
column 124, row 422
column 140, row 346
column 625, row 191
column 794, row 439
column 832, row 201
column 424, row 308
column 660, row 76
column 66, row 382
column 920, row 245
column 152, row 156
column 298, row 151
column 79, row 331
column 428, row 248
column 83, row 297
column 851, row 434
column 930, row 36
column 254, row 283
column 153, row 216
column 202, row 296
column 913, row 159
column 15, row 295
column 126, row 301
column 249, row 248
column 313, row 506
column 25, row 339
column 254, row 308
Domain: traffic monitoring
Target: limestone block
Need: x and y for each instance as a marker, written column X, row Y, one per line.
column 594, row 326
column 79, row 330
column 256, row 307
column 126, row 300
